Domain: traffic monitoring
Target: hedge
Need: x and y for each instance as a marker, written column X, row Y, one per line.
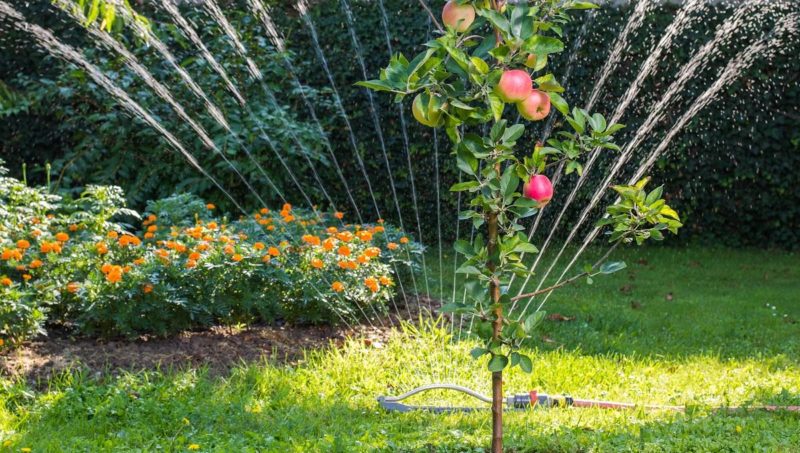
column 731, row 172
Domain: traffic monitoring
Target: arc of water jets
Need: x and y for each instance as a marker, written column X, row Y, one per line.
column 724, row 32
column 133, row 64
column 53, row 45
column 682, row 19
column 48, row 41
column 190, row 33
column 373, row 109
column 735, row 68
column 214, row 10
column 277, row 40
column 303, row 10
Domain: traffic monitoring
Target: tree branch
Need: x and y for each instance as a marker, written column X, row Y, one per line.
column 566, row 282
column 430, row 13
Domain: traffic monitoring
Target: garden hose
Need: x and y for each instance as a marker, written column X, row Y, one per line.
column 533, row 399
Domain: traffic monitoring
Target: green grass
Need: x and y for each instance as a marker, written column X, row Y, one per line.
column 715, row 343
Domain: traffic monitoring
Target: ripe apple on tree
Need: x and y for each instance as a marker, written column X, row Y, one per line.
column 535, row 107
column 458, row 17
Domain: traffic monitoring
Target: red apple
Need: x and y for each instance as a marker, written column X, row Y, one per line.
column 458, row 17
column 535, row 107
column 538, row 188
column 427, row 109
column 515, row 86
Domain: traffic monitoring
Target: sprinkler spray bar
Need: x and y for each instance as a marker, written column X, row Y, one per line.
column 534, row 399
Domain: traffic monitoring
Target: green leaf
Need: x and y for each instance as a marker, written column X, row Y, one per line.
column 611, row 267
column 559, row 103
column 497, row 363
column 533, row 320
column 543, row 45
column 461, row 186
column 464, row 247
column 497, row 105
column 376, row 85
column 581, row 5
column 478, row 352
column 496, row 19
column 468, row 270
column 513, row 133
column 525, row 363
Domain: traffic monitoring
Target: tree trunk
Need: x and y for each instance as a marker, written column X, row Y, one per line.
column 497, row 376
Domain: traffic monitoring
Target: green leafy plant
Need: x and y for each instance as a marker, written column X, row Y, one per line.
column 89, row 264
column 489, row 56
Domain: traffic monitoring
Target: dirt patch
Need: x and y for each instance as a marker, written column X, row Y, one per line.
column 218, row 348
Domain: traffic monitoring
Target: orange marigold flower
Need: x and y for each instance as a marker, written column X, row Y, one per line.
column 101, row 248
column 229, row 250
column 237, row 257
column 11, row 254
column 344, row 250
column 380, row 220
column 288, row 218
column 329, row 244
column 317, row 263
column 339, row 215
column 194, row 256
column 151, row 218
column 284, row 244
column 114, row 275
column 36, row 264
column 36, row 233
column 147, row 288
column 264, row 211
column 379, row 229
column 73, row 228
column 191, row 264
column 5, row 281
column 385, row 281
column 373, row 252
column 404, row 240
column 311, row 239
column 210, row 207
column 73, row 287
column 112, row 235
column 266, row 258
column 271, row 228
column 332, row 230
column 62, row 237
column 138, row 261
column 337, row 286
column 23, row 244
column 105, row 268
column 392, row 246
column 202, row 247
column 363, row 259
column 212, row 225
column 287, row 207
column 259, row 246
column 372, row 284
column 273, row 251
column 27, row 277
column 149, row 235
column 345, row 236
column 152, row 228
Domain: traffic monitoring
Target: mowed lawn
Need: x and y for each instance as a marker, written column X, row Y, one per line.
column 681, row 326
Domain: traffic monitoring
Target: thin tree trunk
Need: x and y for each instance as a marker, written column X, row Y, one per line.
column 497, row 376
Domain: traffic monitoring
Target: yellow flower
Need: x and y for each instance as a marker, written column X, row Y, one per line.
column 193, row 447
column 25, row 450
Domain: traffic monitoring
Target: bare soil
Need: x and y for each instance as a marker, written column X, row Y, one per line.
column 218, row 348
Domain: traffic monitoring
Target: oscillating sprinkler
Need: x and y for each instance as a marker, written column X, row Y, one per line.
column 534, row 399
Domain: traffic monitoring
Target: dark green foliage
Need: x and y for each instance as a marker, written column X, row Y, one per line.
column 731, row 173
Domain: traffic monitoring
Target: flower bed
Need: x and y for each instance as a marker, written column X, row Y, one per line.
column 77, row 263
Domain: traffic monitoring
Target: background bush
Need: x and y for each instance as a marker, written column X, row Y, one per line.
column 731, row 173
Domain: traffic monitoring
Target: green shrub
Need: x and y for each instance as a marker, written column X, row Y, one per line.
column 74, row 262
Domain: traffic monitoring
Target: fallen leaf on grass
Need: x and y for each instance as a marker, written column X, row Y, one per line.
column 560, row 317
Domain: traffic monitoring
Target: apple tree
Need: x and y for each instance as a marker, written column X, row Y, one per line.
column 489, row 66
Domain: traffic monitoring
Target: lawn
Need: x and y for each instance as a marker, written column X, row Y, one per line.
column 691, row 327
